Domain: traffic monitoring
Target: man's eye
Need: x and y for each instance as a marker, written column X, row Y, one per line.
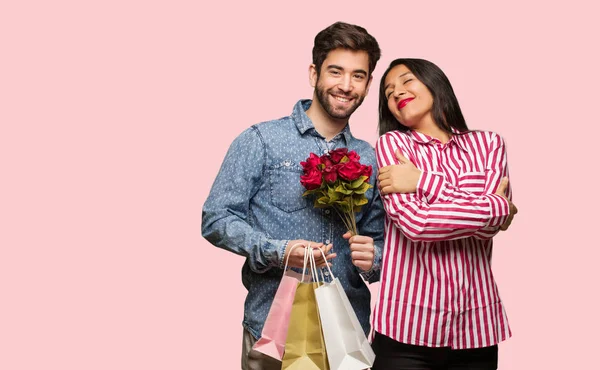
column 335, row 73
column 359, row 77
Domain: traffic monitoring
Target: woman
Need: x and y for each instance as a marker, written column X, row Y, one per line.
column 443, row 188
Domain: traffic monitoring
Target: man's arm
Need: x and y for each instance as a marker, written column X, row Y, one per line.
column 225, row 215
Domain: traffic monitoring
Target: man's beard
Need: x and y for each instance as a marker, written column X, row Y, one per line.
column 322, row 96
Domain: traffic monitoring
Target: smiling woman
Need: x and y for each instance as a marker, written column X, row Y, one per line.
column 443, row 189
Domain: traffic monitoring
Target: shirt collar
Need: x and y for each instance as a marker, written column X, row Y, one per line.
column 304, row 124
column 457, row 138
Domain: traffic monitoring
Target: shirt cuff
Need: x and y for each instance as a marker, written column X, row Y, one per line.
column 281, row 253
column 430, row 186
column 371, row 275
column 499, row 209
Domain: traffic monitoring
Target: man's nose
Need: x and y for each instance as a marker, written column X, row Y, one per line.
column 346, row 84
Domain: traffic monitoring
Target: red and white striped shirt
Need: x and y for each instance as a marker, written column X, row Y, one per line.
column 437, row 287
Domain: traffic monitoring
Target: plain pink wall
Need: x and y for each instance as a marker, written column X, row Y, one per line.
column 115, row 118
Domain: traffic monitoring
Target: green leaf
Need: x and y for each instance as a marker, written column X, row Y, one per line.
column 358, row 182
column 333, row 195
column 324, row 200
column 363, row 188
column 342, row 189
column 343, row 205
column 360, row 201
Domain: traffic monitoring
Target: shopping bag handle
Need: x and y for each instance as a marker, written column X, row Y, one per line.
column 288, row 257
column 313, row 264
column 307, row 250
column 326, row 264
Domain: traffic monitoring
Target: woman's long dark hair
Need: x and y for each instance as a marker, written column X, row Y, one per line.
column 446, row 111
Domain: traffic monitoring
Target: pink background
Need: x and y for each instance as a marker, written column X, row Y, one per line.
column 115, row 118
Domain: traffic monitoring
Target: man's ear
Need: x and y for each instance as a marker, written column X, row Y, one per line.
column 312, row 75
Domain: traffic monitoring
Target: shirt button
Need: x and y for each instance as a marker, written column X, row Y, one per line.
column 327, row 211
column 325, row 151
column 287, row 163
column 327, row 241
column 326, row 273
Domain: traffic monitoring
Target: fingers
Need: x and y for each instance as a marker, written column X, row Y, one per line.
column 386, row 190
column 328, row 255
column 357, row 240
column 347, row 235
column 362, row 256
column 402, row 159
column 363, row 265
column 507, row 223
column 385, row 182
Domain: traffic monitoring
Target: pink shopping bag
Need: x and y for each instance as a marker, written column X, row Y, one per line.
column 274, row 333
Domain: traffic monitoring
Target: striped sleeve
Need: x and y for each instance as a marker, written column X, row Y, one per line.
column 496, row 169
column 443, row 219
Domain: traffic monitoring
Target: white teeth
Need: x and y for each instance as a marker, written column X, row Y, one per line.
column 343, row 100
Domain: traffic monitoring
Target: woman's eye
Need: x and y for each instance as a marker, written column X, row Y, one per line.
column 410, row 79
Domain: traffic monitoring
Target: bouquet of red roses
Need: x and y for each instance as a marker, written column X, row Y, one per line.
column 337, row 180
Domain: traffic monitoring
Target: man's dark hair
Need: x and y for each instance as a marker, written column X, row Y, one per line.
column 345, row 36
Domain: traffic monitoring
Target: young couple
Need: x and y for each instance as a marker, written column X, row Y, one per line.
column 440, row 196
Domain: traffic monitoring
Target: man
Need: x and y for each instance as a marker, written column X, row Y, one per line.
column 256, row 209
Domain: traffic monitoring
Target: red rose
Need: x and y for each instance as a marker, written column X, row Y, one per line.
column 311, row 162
column 311, row 179
column 367, row 171
column 330, row 173
column 350, row 171
column 337, row 154
column 353, row 156
column 326, row 161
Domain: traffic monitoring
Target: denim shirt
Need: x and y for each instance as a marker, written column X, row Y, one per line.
column 256, row 206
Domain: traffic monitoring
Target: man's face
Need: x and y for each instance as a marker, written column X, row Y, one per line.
column 343, row 82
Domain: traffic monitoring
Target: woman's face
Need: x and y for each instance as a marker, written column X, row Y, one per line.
column 409, row 100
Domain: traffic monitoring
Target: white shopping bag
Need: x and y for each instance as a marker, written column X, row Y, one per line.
column 345, row 341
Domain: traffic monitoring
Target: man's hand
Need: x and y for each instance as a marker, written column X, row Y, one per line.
column 362, row 250
column 399, row 178
column 513, row 209
column 297, row 254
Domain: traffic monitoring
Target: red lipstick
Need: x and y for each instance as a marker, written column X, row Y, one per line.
column 402, row 103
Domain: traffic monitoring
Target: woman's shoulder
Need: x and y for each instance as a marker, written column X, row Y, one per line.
column 482, row 136
column 396, row 135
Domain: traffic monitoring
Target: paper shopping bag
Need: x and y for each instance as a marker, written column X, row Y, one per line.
column 304, row 345
column 274, row 333
column 346, row 343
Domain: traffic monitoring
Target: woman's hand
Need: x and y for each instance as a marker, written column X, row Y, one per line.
column 399, row 178
column 513, row 209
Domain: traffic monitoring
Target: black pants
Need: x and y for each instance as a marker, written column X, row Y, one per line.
column 392, row 355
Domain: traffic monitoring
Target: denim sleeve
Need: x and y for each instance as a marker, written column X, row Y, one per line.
column 372, row 224
column 226, row 221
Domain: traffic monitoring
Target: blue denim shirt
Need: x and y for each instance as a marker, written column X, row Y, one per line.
column 256, row 206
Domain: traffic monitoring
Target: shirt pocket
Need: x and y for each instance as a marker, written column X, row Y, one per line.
column 286, row 189
column 473, row 182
